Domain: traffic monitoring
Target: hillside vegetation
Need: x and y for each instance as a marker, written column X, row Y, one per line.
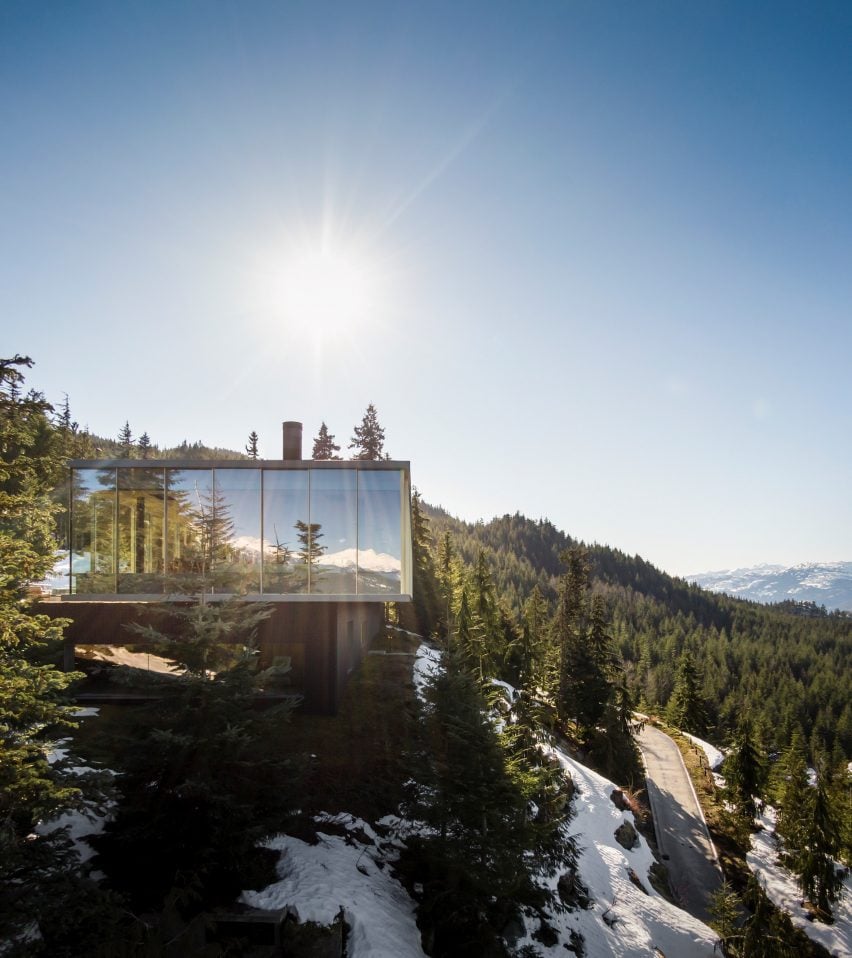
column 787, row 667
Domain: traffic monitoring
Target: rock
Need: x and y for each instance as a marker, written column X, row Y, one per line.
column 626, row 836
column 637, row 881
column 618, row 799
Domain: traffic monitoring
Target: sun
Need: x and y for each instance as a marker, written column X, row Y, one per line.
column 321, row 288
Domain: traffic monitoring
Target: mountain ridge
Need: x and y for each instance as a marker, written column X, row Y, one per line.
column 826, row 584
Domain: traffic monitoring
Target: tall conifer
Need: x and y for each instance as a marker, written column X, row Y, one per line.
column 324, row 445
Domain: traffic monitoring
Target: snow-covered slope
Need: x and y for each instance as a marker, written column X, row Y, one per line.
column 351, row 867
column 826, row 583
column 783, row 891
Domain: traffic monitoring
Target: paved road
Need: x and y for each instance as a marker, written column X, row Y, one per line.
column 694, row 873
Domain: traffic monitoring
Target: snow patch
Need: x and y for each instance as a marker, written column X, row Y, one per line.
column 714, row 756
column 783, row 891
column 343, row 872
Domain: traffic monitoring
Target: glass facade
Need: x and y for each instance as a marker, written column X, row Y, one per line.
column 259, row 530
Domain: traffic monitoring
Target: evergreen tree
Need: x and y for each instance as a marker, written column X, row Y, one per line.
column 325, row 446
column 687, row 708
column 820, row 879
column 569, row 629
column 199, row 786
column 533, row 637
column 793, row 804
column 744, row 771
column 65, row 421
column 426, row 604
column 251, row 448
column 35, row 867
column 310, row 549
column 125, row 441
column 144, row 445
column 476, row 797
column 369, row 438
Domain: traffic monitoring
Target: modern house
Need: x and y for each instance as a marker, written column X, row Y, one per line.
column 327, row 543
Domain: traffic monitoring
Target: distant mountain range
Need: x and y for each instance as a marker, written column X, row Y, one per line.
column 825, row 583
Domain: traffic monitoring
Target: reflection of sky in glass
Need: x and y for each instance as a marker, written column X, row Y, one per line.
column 196, row 484
column 359, row 512
column 285, row 502
column 240, row 492
column 333, row 505
column 379, row 512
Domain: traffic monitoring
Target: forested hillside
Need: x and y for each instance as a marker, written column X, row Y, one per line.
column 786, row 666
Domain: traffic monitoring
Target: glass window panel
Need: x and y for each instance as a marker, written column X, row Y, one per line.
column 379, row 531
column 140, row 530
column 93, row 531
column 190, row 530
column 237, row 530
column 334, row 530
column 286, row 514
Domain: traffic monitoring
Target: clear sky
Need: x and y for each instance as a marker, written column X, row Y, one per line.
column 591, row 261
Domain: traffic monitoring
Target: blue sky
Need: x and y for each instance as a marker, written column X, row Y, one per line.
column 601, row 251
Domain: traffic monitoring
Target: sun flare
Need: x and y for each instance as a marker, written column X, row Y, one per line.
column 323, row 289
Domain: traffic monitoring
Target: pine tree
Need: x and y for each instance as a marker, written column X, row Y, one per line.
column 125, row 441
column 533, row 636
column 325, row 447
column 33, row 702
column 744, row 771
column 251, row 448
column 310, row 551
column 426, row 604
column 200, row 787
column 369, row 438
column 144, row 445
column 569, row 631
column 819, row 877
column 687, row 709
column 793, row 804
column 475, row 793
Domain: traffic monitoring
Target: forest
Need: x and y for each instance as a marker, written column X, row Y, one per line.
column 586, row 634
column 787, row 666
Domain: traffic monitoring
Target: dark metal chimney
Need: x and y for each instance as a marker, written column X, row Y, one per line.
column 292, row 440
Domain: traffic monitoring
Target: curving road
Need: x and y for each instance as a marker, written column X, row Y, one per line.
column 682, row 837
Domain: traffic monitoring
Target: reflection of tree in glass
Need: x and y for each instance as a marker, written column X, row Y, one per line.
column 279, row 571
column 310, row 551
column 281, row 552
column 206, row 528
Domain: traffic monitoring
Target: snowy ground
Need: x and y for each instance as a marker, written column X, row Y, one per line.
column 81, row 822
column 348, row 871
column 782, row 890
column 349, row 868
column 779, row 884
column 624, row 920
column 714, row 756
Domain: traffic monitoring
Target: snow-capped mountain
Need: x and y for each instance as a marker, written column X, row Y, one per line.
column 825, row 583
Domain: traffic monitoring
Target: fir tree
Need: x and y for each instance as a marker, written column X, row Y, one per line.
column 793, row 804
column 820, row 879
column 687, row 709
column 144, row 445
column 35, row 867
column 310, row 549
column 125, row 441
column 426, row 604
column 744, row 771
column 251, row 448
column 569, row 631
column 324, row 445
column 200, row 787
column 369, row 439
column 533, row 628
